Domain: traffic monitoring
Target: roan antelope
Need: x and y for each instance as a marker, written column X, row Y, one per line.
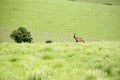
column 78, row 39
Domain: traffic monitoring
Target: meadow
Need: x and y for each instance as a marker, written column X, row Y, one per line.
column 64, row 59
column 113, row 2
column 60, row 61
column 60, row 19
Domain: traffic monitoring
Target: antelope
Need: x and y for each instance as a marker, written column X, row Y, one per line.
column 78, row 39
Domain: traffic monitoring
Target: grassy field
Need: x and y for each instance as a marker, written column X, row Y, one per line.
column 113, row 2
column 60, row 61
column 59, row 19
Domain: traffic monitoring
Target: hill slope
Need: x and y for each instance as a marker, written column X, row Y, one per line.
column 113, row 2
column 91, row 21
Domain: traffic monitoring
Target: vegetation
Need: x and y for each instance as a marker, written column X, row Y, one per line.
column 49, row 41
column 60, row 61
column 21, row 35
column 115, row 2
column 58, row 20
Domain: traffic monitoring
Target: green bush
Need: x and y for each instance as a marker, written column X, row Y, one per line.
column 21, row 35
column 48, row 41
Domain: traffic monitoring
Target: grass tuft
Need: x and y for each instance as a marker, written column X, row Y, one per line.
column 13, row 59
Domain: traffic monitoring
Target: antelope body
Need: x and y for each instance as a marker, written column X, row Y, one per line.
column 78, row 39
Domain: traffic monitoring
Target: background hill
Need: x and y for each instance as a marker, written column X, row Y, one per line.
column 59, row 19
column 113, row 2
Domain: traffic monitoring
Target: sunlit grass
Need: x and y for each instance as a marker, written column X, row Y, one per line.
column 60, row 61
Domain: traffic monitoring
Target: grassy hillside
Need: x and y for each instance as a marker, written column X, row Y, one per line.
column 113, row 2
column 60, row 61
column 57, row 19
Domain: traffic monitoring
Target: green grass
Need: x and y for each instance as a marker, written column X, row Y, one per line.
column 60, row 61
column 113, row 2
column 59, row 19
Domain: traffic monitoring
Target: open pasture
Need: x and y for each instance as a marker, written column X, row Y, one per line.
column 113, row 2
column 60, row 19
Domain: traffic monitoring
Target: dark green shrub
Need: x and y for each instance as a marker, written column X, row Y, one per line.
column 48, row 41
column 109, row 4
column 21, row 35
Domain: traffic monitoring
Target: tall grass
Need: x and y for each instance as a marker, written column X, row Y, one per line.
column 60, row 61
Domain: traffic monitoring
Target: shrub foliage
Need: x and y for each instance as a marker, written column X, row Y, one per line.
column 48, row 41
column 21, row 35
